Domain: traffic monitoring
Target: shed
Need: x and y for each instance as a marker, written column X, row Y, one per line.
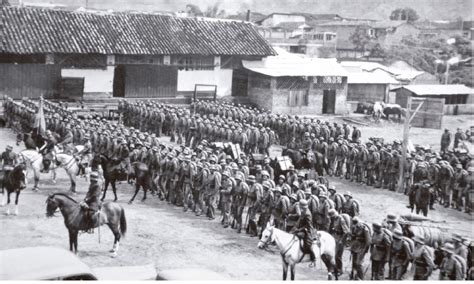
column 294, row 84
column 458, row 99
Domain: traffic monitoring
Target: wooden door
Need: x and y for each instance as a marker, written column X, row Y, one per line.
column 329, row 101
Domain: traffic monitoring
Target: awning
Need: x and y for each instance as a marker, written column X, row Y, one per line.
column 295, row 66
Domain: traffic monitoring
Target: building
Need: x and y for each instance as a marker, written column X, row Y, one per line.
column 391, row 33
column 56, row 53
column 459, row 99
column 275, row 19
column 293, row 84
column 368, row 82
column 468, row 30
column 440, row 29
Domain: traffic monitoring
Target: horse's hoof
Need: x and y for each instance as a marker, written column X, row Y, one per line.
column 112, row 251
column 102, row 200
column 114, row 255
column 115, row 200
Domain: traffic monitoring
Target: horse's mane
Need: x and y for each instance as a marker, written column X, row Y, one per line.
column 64, row 195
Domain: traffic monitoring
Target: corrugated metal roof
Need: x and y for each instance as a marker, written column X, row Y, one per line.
column 438, row 90
column 30, row 30
column 286, row 64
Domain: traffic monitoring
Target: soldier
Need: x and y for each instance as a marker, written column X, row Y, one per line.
column 240, row 199
column 254, row 197
column 201, row 178
column 331, row 155
column 468, row 191
column 323, row 220
column 91, row 200
column 446, row 175
column 304, row 230
column 379, row 251
column 459, row 248
column 340, row 230
column 355, row 135
column 423, row 260
column 291, row 176
column 458, row 137
column 445, row 140
column 266, row 167
column 351, row 206
column 450, row 268
column 189, row 173
column 400, row 256
column 337, row 198
column 266, row 204
column 228, row 184
column 460, row 182
column 373, row 161
column 280, row 210
column 8, row 158
column 212, row 192
column 391, row 223
column 359, row 246
column 393, row 170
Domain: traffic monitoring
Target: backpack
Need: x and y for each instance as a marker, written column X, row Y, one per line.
column 347, row 220
column 388, row 234
column 357, row 206
column 462, row 262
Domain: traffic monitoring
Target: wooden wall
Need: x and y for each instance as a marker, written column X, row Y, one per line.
column 29, row 80
column 150, row 81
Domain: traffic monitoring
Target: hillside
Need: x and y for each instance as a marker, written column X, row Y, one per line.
column 373, row 9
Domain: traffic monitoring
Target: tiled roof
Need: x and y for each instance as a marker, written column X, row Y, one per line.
column 30, row 30
column 438, row 90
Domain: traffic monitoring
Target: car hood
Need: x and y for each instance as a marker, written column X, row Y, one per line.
column 144, row 272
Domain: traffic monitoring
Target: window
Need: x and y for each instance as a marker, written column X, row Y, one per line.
column 190, row 63
column 81, row 61
column 138, row 59
column 298, row 98
column 456, row 100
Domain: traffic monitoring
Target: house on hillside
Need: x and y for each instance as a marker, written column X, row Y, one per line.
column 345, row 48
column 458, row 99
column 389, row 33
column 409, row 75
column 295, row 33
column 440, row 29
column 121, row 54
column 291, row 84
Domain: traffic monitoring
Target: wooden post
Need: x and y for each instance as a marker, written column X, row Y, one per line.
column 403, row 158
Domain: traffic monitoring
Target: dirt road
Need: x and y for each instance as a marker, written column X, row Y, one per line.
column 169, row 238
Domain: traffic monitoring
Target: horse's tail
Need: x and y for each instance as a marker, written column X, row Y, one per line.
column 123, row 223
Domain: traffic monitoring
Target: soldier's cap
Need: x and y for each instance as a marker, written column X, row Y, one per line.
column 332, row 188
column 332, row 212
column 458, row 166
column 9, row 147
column 258, row 167
column 448, row 247
column 234, row 166
column 303, row 203
column 323, row 194
column 307, row 191
column 239, row 176
column 397, row 234
column 267, row 184
column 240, row 161
column 355, row 220
column 291, row 168
column 470, row 169
column 154, row 149
column 295, row 184
column 228, row 157
column 293, row 196
column 301, row 174
column 348, row 193
column 87, row 136
column 226, row 174
column 377, row 226
column 251, row 178
column 419, row 239
column 265, row 173
column 94, row 176
column 277, row 190
column 457, row 238
column 282, row 177
column 391, row 218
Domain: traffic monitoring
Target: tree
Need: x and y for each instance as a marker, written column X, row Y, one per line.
column 193, row 10
column 214, row 11
column 4, row 3
column 360, row 38
column 404, row 14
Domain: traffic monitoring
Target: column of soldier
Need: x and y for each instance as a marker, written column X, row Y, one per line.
column 280, row 201
column 199, row 178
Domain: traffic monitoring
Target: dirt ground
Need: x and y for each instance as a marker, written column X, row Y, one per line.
column 169, row 238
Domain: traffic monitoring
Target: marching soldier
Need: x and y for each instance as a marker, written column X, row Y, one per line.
column 340, row 230
column 423, row 260
column 228, row 184
column 400, row 256
column 379, row 252
column 240, row 199
column 280, row 211
column 255, row 196
column 361, row 240
column 212, row 192
column 323, row 219
column 451, row 267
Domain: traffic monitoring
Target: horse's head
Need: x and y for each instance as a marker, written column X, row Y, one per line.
column 267, row 237
column 51, row 205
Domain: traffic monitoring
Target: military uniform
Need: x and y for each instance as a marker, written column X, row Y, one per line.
column 360, row 244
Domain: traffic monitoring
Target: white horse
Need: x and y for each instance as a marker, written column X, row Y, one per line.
column 34, row 160
column 291, row 253
column 71, row 166
column 378, row 111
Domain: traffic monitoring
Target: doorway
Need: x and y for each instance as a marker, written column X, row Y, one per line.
column 119, row 82
column 329, row 101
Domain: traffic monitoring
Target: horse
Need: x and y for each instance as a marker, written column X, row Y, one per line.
column 294, row 155
column 14, row 181
column 75, row 218
column 34, row 160
column 71, row 166
column 378, row 111
column 292, row 254
column 365, row 108
column 142, row 177
column 389, row 109
column 112, row 172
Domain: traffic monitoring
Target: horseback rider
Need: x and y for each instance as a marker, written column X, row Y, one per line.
column 8, row 158
column 304, row 230
column 67, row 140
column 85, row 155
column 91, row 201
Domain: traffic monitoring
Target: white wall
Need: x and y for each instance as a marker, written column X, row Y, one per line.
column 222, row 78
column 95, row 80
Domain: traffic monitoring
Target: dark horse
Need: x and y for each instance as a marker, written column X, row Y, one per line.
column 142, row 177
column 112, row 172
column 14, row 181
column 76, row 220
